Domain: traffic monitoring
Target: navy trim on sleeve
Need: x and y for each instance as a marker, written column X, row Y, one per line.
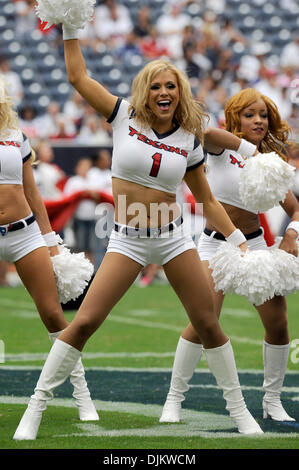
column 24, row 137
column 27, row 157
column 115, row 111
column 216, row 154
column 196, row 143
column 192, row 167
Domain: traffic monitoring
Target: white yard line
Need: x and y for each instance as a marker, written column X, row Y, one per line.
column 179, row 329
column 194, row 423
column 27, row 310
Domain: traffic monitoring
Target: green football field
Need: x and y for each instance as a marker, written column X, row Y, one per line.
column 128, row 364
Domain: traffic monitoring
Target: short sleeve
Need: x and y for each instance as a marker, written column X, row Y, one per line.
column 195, row 157
column 121, row 111
column 25, row 149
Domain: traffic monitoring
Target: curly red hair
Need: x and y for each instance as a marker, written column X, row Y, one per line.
column 276, row 138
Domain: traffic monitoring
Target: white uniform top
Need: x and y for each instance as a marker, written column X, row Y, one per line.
column 143, row 156
column 14, row 151
column 223, row 174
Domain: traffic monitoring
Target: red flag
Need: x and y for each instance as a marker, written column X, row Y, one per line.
column 61, row 210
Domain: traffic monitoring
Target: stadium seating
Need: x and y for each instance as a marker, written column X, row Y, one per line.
column 41, row 66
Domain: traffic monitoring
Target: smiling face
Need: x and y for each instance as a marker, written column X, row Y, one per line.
column 163, row 99
column 254, row 122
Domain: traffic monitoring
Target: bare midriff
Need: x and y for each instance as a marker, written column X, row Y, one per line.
column 246, row 221
column 140, row 206
column 13, row 204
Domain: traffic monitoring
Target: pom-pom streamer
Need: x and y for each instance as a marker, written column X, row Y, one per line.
column 258, row 275
column 264, row 182
column 72, row 13
column 72, row 271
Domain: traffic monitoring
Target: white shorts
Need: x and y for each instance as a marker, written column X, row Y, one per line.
column 16, row 245
column 150, row 250
column 207, row 245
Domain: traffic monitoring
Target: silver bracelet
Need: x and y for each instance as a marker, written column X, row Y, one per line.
column 247, row 149
column 236, row 238
column 294, row 225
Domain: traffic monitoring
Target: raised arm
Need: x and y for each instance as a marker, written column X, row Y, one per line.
column 215, row 140
column 91, row 90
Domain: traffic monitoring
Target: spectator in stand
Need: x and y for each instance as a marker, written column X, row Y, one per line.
column 294, row 121
column 26, row 18
column 154, row 45
column 250, row 63
column 143, row 23
column 100, row 174
column 94, row 132
column 100, row 179
column 218, row 6
column 129, row 48
column 74, row 108
column 201, row 58
column 84, row 217
column 210, row 29
column 290, row 54
column 29, row 122
column 189, row 36
column 194, row 64
column 268, row 85
column 47, row 174
column 230, row 34
column 89, row 37
column 170, row 26
column 213, row 95
column 14, row 83
column 112, row 22
column 55, row 124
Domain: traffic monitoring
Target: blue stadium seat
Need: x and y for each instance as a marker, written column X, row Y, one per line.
column 133, row 64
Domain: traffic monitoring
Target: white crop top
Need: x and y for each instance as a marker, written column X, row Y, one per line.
column 14, row 151
column 223, row 175
column 154, row 160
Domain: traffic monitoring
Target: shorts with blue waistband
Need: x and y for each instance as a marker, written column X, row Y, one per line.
column 154, row 249
column 14, row 245
column 208, row 244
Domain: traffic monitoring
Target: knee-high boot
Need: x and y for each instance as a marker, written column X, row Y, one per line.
column 58, row 366
column 221, row 363
column 87, row 411
column 275, row 365
column 187, row 356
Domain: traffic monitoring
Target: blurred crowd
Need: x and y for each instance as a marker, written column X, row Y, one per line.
column 218, row 58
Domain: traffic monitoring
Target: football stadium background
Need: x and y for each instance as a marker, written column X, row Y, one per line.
column 128, row 361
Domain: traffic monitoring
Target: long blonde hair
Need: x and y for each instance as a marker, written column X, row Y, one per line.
column 276, row 138
column 189, row 113
column 8, row 116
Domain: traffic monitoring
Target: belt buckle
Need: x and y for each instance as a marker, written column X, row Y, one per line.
column 155, row 232
column 3, row 231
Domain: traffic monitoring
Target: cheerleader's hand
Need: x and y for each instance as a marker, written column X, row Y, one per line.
column 289, row 243
column 244, row 248
column 53, row 250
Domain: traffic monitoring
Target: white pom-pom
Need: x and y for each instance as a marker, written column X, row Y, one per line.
column 72, row 271
column 73, row 13
column 265, row 181
column 288, row 268
column 258, row 275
